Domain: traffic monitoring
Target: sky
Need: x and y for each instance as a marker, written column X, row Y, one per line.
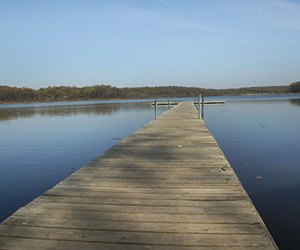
column 126, row 43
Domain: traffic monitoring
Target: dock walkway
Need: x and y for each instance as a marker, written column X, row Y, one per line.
column 167, row 186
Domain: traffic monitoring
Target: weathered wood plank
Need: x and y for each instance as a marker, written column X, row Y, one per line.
column 38, row 244
column 131, row 226
column 140, row 208
column 139, row 217
column 150, row 173
column 105, row 159
column 170, row 239
column 218, row 184
column 180, row 192
column 156, row 150
column 94, row 193
column 146, row 202
column 213, row 179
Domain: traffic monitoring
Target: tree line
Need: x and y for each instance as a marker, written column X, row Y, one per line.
column 67, row 93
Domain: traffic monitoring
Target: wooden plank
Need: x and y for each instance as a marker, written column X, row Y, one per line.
column 132, row 226
column 139, row 217
column 170, row 239
column 156, row 180
column 152, row 175
column 36, row 244
column 167, row 186
column 170, row 157
column 146, row 202
column 153, row 209
column 137, row 163
column 180, row 192
column 148, row 173
column 151, row 185
column 93, row 193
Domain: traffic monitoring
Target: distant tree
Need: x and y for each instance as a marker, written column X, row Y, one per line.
column 295, row 87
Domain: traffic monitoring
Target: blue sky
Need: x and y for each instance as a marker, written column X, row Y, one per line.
column 212, row 44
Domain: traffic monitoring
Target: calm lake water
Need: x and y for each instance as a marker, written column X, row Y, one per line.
column 261, row 139
column 41, row 144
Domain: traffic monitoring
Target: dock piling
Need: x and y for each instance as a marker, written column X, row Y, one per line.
column 202, row 106
column 199, row 107
column 155, row 109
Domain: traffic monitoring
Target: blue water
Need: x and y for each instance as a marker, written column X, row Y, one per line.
column 41, row 144
column 261, row 139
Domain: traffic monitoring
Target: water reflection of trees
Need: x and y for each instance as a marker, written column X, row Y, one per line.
column 295, row 102
column 95, row 109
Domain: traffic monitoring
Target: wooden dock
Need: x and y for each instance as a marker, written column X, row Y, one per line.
column 167, row 186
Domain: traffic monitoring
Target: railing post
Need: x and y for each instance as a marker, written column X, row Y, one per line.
column 169, row 102
column 202, row 107
column 155, row 109
column 199, row 107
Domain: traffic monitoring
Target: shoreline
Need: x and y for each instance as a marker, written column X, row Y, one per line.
column 125, row 99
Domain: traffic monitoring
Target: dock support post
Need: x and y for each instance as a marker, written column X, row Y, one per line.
column 202, row 106
column 199, row 107
column 155, row 109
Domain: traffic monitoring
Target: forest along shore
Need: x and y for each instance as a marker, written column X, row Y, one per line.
column 105, row 92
